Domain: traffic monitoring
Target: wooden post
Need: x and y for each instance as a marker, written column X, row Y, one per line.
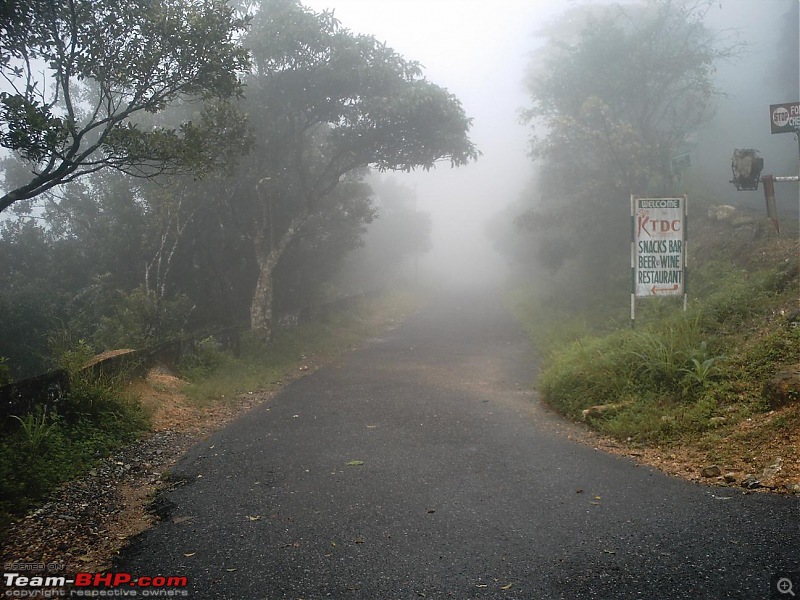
column 769, row 198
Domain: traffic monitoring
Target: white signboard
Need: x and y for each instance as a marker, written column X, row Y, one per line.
column 658, row 256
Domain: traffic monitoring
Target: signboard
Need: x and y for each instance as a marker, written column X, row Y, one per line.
column 658, row 255
column 784, row 118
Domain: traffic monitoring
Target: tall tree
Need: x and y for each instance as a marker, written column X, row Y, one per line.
column 325, row 102
column 85, row 79
column 615, row 92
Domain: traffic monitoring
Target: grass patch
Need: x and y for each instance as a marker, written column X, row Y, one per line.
column 41, row 450
column 679, row 376
column 214, row 375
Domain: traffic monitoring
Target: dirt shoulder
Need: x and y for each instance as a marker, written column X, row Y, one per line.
column 759, row 454
column 88, row 520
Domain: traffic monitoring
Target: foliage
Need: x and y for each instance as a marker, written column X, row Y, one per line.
column 49, row 448
column 326, row 103
column 112, row 71
column 616, row 93
column 676, row 371
column 35, row 428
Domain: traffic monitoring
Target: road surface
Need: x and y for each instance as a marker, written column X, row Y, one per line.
column 422, row 466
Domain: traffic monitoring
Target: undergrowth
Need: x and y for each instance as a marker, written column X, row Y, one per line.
column 42, row 449
column 676, row 375
column 215, row 375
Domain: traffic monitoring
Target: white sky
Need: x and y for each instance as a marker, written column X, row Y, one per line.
column 478, row 50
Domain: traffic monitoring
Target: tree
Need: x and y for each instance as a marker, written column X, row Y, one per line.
column 323, row 103
column 88, row 79
column 616, row 94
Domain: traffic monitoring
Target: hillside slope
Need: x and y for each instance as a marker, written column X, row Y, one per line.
column 711, row 394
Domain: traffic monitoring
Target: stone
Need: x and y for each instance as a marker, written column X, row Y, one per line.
column 771, row 470
column 783, row 388
column 729, row 477
column 750, row 482
column 598, row 410
column 711, row 471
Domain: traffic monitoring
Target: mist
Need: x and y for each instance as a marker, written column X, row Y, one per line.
column 480, row 52
column 469, row 216
column 765, row 73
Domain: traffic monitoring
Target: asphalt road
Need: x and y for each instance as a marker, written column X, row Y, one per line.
column 463, row 487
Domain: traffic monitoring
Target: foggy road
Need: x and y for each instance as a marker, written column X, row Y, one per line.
column 422, row 466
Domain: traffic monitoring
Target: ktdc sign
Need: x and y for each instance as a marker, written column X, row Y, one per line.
column 658, row 253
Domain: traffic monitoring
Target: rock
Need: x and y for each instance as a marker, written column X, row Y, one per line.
column 739, row 221
column 793, row 319
column 750, row 482
column 771, row 470
column 598, row 410
column 793, row 487
column 783, row 388
column 729, row 477
column 711, row 471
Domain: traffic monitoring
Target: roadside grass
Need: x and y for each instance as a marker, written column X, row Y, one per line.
column 216, row 376
column 42, row 450
column 679, row 377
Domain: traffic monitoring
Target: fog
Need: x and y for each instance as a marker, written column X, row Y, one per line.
column 479, row 51
column 752, row 83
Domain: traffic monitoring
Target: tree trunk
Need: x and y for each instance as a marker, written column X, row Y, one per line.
column 261, row 322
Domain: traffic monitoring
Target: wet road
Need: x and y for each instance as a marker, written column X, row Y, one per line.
column 422, row 466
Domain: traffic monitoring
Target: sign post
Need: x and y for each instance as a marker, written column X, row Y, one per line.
column 658, row 249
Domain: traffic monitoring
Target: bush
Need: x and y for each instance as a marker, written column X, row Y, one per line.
column 206, row 358
column 46, row 448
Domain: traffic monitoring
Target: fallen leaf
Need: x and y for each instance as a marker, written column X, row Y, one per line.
column 481, row 585
column 178, row 520
column 188, row 554
column 359, row 540
column 231, row 570
column 610, row 551
column 355, row 463
column 254, row 517
column 506, row 587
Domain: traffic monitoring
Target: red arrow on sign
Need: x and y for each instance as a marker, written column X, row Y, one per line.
column 655, row 289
